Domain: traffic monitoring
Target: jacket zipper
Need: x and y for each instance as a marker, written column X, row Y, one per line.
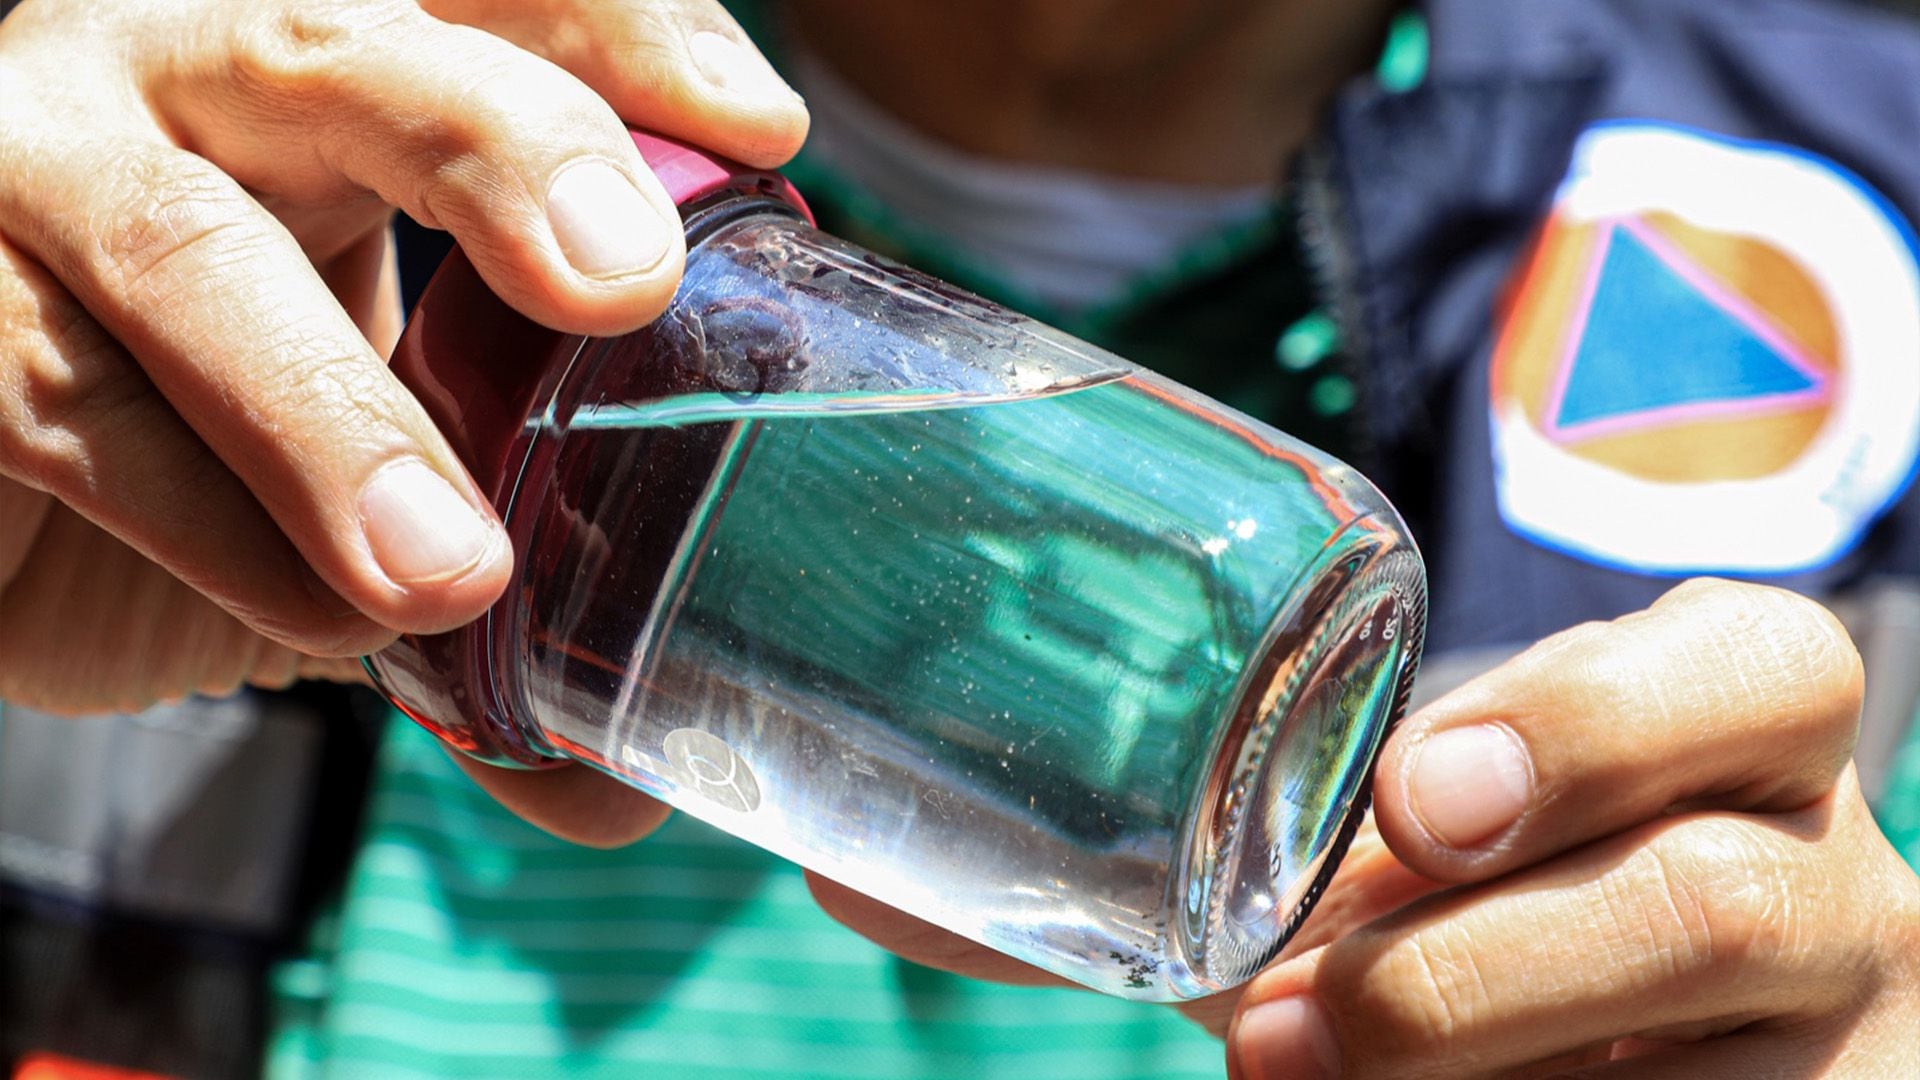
column 1333, row 268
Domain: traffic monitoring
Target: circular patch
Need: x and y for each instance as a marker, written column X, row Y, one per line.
column 1710, row 359
column 702, row 762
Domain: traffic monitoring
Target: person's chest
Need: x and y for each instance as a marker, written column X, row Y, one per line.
column 1635, row 291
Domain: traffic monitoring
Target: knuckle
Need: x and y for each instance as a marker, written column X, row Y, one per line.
column 663, row 26
column 321, row 31
column 343, row 396
column 294, row 55
column 1737, row 652
column 489, row 140
column 177, row 219
column 360, row 394
column 454, row 182
column 1433, row 990
column 1586, row 637
column 329, row 407
column 1705, row 901
column 1740, row 611
column 504, row 89
column 1826, row 652
column 66, row 386
column 457, row 135
column 646, row 53
column 1808, row 672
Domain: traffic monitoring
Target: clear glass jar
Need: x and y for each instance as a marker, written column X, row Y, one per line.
column 966, row 614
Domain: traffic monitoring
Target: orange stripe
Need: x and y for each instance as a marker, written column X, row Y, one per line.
column 44, row 1066
column 1333, row 499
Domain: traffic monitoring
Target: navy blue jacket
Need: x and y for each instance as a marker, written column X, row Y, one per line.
column 1630, row 286
column 1436, row 194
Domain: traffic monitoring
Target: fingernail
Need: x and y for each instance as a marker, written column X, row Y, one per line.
column 604, row 226
column 738, row 69
column 1469, row 783
column 1290, row 1038
column 420, row 529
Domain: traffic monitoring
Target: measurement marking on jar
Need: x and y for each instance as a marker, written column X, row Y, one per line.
column 1387, row 632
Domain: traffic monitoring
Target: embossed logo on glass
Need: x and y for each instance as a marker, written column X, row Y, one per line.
column 701, row 762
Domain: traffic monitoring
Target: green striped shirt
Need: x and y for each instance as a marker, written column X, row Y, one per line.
column 472, row 944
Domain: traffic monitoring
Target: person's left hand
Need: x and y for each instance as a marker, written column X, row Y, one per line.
column 1638, row 840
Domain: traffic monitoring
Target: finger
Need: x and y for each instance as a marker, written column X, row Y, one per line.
column 572, row 802
column 680, row 67
column 1680, row 929
column 336, row 669
column 1764, row 1053
column 1369, row 883
column 1720, row 695
column 92, row 626
column 921, row 941
column 532, row 172
column 79, row 420
column 22, row 509
column 365, row 279
column 233, row 326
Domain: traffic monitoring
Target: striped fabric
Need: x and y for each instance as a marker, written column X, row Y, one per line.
column 471, row 944
column 1898, row 811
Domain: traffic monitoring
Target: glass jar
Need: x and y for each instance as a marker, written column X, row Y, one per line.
column 968, row 615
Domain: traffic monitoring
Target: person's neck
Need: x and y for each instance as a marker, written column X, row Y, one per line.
column 1217, row 92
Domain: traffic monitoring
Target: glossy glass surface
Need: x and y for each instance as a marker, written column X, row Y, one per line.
column 963, row 613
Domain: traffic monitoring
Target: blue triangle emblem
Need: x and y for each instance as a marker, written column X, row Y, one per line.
column 1652, row 341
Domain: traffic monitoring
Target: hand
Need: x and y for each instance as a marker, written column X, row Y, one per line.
column 1638, row 840
column 207, row 475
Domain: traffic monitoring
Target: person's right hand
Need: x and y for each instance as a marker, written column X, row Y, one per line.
column 207, row 475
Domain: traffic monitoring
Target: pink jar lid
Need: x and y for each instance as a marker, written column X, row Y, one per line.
column 690, row 173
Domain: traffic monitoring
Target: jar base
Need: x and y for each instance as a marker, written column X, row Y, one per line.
column 1293, row 777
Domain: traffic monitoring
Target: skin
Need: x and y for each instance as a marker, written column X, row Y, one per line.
column 197, row 296
column 197, row 291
